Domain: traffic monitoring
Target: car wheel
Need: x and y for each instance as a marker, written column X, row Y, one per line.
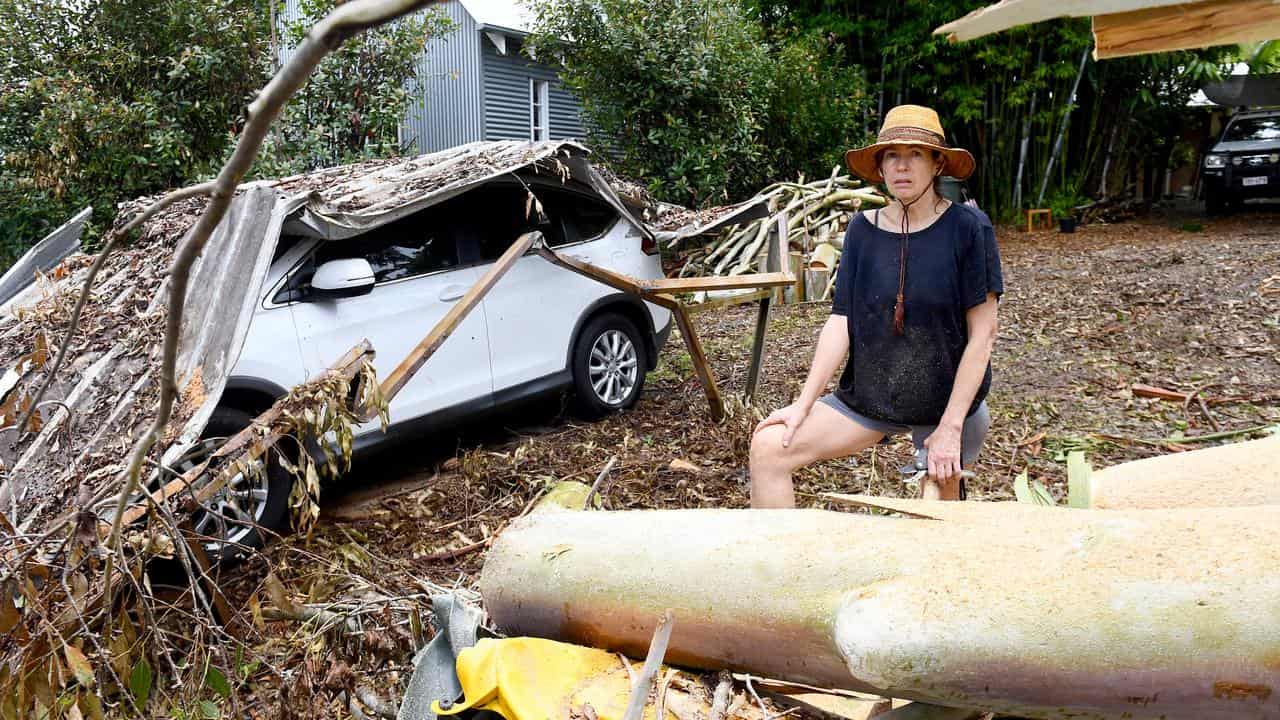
column 250, row 508
column 608, row 365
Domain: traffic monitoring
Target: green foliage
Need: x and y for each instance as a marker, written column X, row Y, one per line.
column 351, row 108
column 695, row 98
column 996, row 91
column 1064, row 202
column 104, row 100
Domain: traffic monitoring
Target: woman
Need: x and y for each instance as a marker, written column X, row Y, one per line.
column 914, row 313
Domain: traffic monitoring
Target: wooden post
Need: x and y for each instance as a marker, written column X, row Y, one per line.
column 757, row 349
column 699, row 360
column 795, row 293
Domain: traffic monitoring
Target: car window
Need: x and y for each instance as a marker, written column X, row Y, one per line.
column 1253, row 129
column 416, row 245
column 585, row 217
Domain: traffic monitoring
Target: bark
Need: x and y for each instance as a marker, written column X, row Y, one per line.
column 1235, row 475
column 1030, row 611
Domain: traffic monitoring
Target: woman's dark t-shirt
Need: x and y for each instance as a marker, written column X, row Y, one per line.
column 951, row 266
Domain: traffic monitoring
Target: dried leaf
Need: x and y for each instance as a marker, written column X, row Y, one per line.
column 684, row 466
column 79, row 665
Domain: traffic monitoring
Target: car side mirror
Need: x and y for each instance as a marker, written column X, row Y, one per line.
column 342, row 278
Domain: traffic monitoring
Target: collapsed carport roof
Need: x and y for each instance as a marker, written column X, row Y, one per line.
column 1133, row 27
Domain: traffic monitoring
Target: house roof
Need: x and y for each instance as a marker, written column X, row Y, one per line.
column 510, row 15
column 1133, row 27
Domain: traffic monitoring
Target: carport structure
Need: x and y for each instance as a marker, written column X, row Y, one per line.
column 1133, row 27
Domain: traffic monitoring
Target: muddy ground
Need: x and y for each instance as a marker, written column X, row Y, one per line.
column 1184, row 304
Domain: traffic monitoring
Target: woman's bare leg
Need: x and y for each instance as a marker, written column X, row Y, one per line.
column 823, row 435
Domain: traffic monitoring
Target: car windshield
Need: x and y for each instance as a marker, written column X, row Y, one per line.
column 1253, row 129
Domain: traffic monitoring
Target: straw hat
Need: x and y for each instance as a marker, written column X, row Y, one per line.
column 909, row 125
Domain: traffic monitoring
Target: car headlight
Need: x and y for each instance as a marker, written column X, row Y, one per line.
column 1236, row 160
column 1274, row 158
column 1215, row 161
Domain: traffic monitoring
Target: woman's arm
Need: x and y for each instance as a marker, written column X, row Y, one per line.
column 944, row 443
column 833, row 348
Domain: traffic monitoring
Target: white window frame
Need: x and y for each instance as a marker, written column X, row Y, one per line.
column 539, row 110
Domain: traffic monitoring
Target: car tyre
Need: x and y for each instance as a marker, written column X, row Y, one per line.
column 1215, row 202
column 265, row 499
column 609, row 362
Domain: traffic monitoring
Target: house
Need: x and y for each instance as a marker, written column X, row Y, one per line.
column 476, row 84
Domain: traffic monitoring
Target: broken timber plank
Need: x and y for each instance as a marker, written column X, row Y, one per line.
column 434, row 339
column 732, row 282
column 757, row 348
column 1087, row 613
column 699, row 360
column 1184, row 27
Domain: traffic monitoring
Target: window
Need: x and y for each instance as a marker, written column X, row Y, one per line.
column 416, row 245
column 539, row 114
column 1254, row 129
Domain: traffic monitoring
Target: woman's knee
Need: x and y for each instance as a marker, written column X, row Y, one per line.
column 767, row 451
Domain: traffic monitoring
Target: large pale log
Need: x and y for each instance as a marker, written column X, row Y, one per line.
column 1239, row 474
column 1006, row 607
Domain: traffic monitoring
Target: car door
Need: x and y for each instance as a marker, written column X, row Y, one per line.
column 533, row 310
column 418, row 280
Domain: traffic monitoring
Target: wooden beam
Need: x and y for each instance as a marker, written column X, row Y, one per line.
column 727, row 301
column 734, row 282
column 757, row 348
column 1012, row 13
column 613, row 279
column 1186, row 26
column 699, row 360
column 409, row 367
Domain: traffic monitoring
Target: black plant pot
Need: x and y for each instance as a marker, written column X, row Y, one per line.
column 1067, row 224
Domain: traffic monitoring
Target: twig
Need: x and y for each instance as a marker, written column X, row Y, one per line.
column 720, row 701
column 1189, row 439
column 763, row 708
column 652, row 661
column 591, row 494
column 458, row 552
column 663, row 686
column 375, row 703
column 631, row 673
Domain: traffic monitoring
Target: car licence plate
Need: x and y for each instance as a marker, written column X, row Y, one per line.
column 1251, row 181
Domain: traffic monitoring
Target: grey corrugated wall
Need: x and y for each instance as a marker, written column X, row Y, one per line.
column 506, row 97
column 446, row 109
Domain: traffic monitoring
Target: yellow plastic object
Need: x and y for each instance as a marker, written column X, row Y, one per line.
column 534, row 679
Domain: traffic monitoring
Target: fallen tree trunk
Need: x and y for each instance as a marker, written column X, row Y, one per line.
column 1238, row 474
column 1004, row 607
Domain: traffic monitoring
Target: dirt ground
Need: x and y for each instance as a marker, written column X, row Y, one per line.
column 1183, row 305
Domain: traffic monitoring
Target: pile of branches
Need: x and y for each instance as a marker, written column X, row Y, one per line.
column 817, row 214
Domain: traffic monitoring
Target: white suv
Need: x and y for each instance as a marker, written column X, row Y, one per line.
column 540, row 329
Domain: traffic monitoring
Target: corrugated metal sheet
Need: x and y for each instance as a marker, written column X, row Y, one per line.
column 446, row 110
column 506, row 99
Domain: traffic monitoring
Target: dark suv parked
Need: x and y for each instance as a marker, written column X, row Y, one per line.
column 1245, row 163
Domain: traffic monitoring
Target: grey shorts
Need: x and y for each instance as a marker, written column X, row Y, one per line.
column 972, row 435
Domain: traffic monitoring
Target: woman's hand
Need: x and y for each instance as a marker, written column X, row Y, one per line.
column 790, row 417
column 943, row 445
